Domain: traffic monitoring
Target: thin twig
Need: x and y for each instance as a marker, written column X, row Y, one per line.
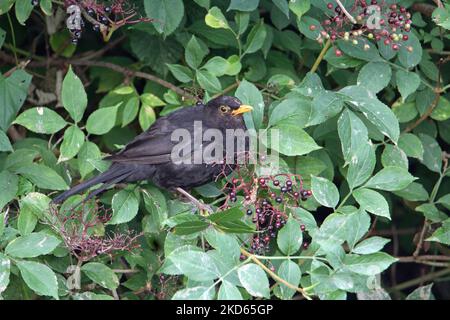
column 347, row 14
column 321, row 55
column 274, row 275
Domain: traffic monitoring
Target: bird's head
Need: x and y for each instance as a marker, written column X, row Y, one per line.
column 227, row 106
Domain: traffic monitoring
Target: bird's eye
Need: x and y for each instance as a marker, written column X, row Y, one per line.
column 225, row 109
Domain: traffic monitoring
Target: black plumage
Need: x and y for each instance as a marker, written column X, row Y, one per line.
column 148, row 156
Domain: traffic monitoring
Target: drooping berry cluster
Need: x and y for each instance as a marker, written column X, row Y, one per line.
column 266, row 200
column 389, row 25
column 78, row 228
column 104, row 16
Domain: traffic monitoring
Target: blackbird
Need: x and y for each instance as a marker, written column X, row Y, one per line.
column 148, row 156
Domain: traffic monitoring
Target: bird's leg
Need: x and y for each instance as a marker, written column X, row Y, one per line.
column 198, row 204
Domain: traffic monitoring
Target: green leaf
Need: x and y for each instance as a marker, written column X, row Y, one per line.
column 304, row 25
column 445, row 201
column 374, row 110
column 37, row 203
column 414, row 192
column 411, row 145
column 325, row 106
column 370, row 245
column 390, row 179
column 166, row 14
column 442, row 234
column 431, row 212
column 295, row 111
column 5, row 145
column 300, row 7
column 394, row 156
column 290, row 140
column 88, row 154
column 324, row 191
column 23, row 10
column 5, row 269
column 32, row 245
column 256, row 37
column 225, row 244
column 46, row 7
column 372, row 202
column 2, row 34
column 195, row 52
column 152, row 100
column 243, row 5
column 26, row 222
column 432, row 155
column 359, row 51
column 147, row 117
column 208, row 81
column 422, row 293
column 8, row 187
column 190, row 227
column 405, row 112
column 130, row 111
column 195, row 265
column 181, row 73
column 352, row 132
column 235, row 227
column 101, row 274
column 370, row 264
column 442, row 110
column 102, row 120
column 40, row 278
column 407, row 82
column 409, row 58
column 441, row 17
column 41, row 120
column 361, row 165
column 249, row 94
column 290, row 237
column 290, row 272
column 72, row 143
column 195, row 293
column 228, row 291
column 125, row 207
column 43, row 177
column 215, row 19
column 254, row 280
column 218, row 66
column 375, row 76
column 74, row 96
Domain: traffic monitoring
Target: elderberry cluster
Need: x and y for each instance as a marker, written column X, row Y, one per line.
column 266, row 200
column 104, row 16
column 389, row 25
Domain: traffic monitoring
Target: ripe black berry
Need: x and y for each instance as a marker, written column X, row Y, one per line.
column 279, row 199
column 284, row 189
column 107, row 9
column 276, row 183
column 249, row 212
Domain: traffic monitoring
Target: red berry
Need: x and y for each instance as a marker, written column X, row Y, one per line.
column 305, row 245
column 330, row 5
column 312, row 27
column 262, row 181
column 302, row 227
column 338, row 53
column 405, row 37
column 395, row 47
column 387, row 41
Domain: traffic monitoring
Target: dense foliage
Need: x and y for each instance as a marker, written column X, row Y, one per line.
column 364, row 123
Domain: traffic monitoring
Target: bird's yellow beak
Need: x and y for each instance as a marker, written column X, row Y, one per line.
column 242, row 109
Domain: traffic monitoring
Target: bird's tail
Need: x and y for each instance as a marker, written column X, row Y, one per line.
column 111, row 176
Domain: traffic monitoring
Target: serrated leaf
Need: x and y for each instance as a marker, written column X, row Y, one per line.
column 254, row 280
column 41, row 120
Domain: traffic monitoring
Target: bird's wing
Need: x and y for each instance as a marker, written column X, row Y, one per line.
column 154, row 146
